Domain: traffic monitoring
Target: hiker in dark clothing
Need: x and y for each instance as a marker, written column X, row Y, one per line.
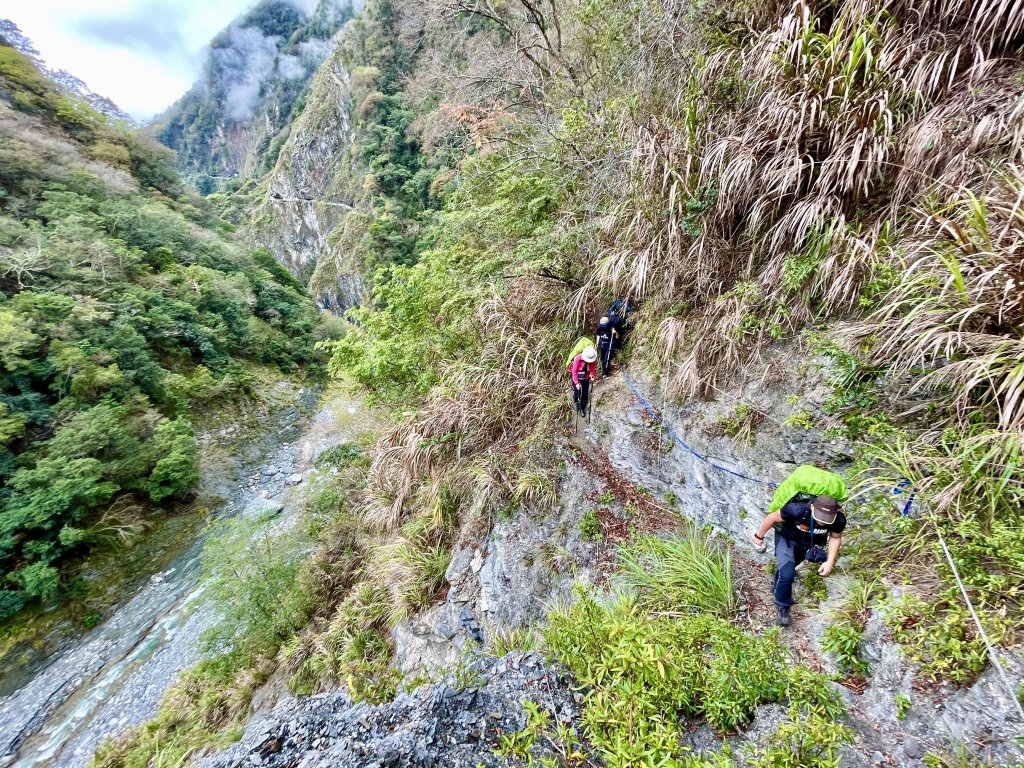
column 808, row 526
column 618, row 314
column 582, row 371
column 605, row 341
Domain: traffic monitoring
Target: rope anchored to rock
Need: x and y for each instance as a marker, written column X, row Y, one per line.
column 669, row 431
column 904, row 487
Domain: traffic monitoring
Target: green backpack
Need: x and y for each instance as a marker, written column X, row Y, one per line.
column 581, row 343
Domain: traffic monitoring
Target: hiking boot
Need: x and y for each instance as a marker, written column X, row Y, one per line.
column 784, row 618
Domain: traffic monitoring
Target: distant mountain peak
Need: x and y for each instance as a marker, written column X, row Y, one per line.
column 11, row 35
column 236, row 117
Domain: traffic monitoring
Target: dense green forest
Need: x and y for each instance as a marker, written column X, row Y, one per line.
column 125, row 309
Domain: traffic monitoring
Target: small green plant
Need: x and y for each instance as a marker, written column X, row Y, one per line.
column 508, row 510
column 695, row 206
column 844, row 635
column 466, row 674
column 680, row 572
column 521, row 745
column 801, row 419
column 740, row 424
column 631, row 509
column 731, row 423
column 590, row 526
column 518, row 639
column 903, row 704
column 804, row 741
column 670, row 498
column 411, row 683
column 842, row 640
column 608, row 497
column 814, row 586
column 556, row 558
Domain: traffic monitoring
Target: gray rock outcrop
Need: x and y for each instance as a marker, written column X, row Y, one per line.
column 456, row 723
column 310, row 194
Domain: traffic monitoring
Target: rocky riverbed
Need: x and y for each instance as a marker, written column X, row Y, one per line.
column 114, row 676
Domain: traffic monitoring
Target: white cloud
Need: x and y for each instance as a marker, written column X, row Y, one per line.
column 290, row 67
column 245, row 62
column 144, row 74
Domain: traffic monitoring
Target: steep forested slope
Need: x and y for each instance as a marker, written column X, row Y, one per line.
column 842, row 176
column 234, row 120
column 775, row 185
column 124, row 308
column 350, row 162
column 746, row 173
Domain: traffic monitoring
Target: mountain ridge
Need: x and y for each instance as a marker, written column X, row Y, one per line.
column 234, row 119
column 12, row 35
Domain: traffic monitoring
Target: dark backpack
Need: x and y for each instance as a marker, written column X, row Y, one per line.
column 620, row 310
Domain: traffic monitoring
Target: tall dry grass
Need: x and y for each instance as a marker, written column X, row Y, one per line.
column 766, row 193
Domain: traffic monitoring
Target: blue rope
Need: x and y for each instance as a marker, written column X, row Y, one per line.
column 668, row 429
column 902, row 487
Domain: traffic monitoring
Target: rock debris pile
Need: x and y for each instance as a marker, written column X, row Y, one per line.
column 448, row 724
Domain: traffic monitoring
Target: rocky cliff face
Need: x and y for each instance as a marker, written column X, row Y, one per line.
column 306, row 215
column 236, row 117
column 511, row 577
column 456, row 723
column 638, row 480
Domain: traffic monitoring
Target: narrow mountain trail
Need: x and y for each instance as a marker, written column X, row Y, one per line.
column 671, row 489
column 115, row 676
column 508, row 577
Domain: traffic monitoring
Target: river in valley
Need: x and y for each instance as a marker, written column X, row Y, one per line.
column 58, row 706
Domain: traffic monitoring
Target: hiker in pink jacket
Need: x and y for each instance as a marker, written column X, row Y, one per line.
column 582, row 371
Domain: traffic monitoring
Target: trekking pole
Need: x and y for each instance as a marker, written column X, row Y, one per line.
column 590, row 411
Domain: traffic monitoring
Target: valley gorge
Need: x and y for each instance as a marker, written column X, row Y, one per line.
column 290, row 471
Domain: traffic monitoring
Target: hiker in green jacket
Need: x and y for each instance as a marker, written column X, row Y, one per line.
column 808, row 526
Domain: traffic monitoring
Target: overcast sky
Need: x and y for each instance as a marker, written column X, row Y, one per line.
column 143, row 54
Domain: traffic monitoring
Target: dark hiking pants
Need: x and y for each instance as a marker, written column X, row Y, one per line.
column 788, row 555
column 581, row 394
column 606, row 357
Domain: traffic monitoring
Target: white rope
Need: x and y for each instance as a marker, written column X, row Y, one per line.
column 981, row 630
